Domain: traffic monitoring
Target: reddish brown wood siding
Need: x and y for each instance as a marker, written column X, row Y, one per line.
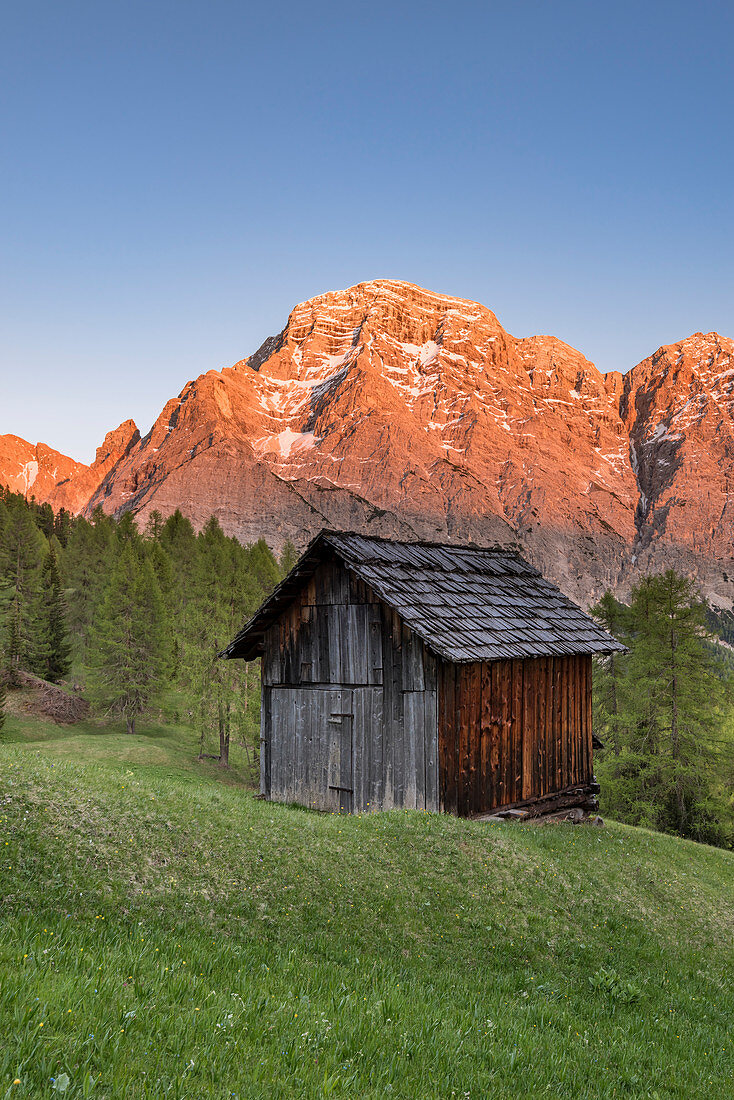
column 513, row 730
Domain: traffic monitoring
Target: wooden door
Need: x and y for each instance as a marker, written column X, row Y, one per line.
column 340, row 768
column 309, row 750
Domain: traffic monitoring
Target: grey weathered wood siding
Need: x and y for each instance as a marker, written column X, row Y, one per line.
column 349, row 714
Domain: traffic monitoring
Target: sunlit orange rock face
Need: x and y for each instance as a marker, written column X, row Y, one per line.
column 391, row 409
column 33, row 469
column 37, row 471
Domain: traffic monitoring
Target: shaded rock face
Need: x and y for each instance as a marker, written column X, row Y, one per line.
column 400, row 412
column 678, row 407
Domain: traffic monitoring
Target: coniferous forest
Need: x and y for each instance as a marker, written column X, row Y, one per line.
column 132, row 622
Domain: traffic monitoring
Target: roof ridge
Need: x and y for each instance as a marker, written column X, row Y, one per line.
column 468, row 613
column 495, row 548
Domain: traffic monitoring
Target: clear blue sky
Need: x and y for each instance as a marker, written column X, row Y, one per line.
column 176, row 176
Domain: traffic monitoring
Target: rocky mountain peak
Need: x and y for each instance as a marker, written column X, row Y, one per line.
column 400, row 411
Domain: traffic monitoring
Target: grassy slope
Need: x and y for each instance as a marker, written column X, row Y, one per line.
column 166, row 934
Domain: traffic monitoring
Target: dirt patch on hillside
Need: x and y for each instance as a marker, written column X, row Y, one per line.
column 32, row 696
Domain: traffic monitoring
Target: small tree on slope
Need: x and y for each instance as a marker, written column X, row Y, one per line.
column 129, row 652
column 667, row 757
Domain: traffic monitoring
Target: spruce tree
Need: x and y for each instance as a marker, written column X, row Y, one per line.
column 609, row 672
column 22, row 549
column 52, row 641
column 129, row 645
column 667, row 757
column 86, row 565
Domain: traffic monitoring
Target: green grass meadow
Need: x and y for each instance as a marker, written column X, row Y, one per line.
column 166, row 934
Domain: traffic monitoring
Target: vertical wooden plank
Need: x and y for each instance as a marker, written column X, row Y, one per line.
column 556, row 724
column 374, row 659
column 431, row 748
column 388, row 749
column 517, row 709
column 442, row 731
column 408, row 750
column 376, row 727
column 499, row 797
column 505, row 676
column 397, row 717
column 334, row 636
column 550, row 744
column 347, row 782
column 378, row 723
column 579, row 721
column 297, row 753
column 532, row 724
column 412, row 758
column 582, row 718
column 528, row 725
column 412, row 656
column 566, row 720
column 419, row 740
column 485, row 724
column 268, row 661
column 276, row 734
column 542, row 720
column 472, row 687
column 463, row 740
column 265, row 733
column 589, row 717
column 448, row 738
column 572, row 711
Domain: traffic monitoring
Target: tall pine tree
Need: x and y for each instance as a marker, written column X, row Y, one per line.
column 667, row 754
column 53, row 650
column 22, row 549
column 129, row 650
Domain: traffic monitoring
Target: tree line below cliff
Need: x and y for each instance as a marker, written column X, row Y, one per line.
column 133, row 621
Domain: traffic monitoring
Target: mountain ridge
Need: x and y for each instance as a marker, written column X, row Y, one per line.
column 409, row 413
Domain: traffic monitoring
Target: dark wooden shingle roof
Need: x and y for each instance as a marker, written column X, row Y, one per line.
column 466, row 603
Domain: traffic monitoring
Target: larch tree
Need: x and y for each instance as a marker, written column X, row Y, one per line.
column 129, row 651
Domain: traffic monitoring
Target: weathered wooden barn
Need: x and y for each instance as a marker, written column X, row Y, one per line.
column 424, row 676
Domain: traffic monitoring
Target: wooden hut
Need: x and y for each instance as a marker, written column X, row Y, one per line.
column 425, row 676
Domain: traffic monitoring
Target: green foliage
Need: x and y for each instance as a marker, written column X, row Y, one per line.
column 288, row 558
column 22, row 551
column 52, row 659
column 87, row 560
column 3, row 700
column 128, row 647
column 178, row 938
column 70, row 607
column 663, row 712
column 721, row 623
